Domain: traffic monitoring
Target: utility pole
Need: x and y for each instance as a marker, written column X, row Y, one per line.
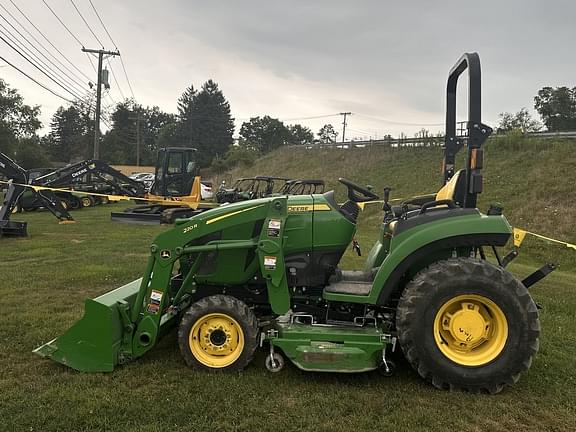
column 137, row 117
column 101, row 54
column 138, row 139
column 344, row 124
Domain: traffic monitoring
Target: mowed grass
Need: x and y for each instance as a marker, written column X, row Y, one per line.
column 46, row 278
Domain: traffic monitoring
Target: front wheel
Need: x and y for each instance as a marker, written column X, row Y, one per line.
column 466, row 324
column 218, row 333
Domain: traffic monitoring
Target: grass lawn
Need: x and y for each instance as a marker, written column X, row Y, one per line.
column 46, row 277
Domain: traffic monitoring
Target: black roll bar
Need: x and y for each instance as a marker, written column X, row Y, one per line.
column 478, row 132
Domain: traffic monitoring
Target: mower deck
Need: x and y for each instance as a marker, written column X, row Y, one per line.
column 331, row 348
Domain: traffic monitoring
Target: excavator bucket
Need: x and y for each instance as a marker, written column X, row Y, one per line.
column 94, row 343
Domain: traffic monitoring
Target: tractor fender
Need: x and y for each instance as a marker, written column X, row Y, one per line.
column 415, row 245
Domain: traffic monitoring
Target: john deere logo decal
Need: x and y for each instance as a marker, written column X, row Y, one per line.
column 165, row 254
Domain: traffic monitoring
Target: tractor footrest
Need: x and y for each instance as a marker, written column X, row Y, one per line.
column 350, row 287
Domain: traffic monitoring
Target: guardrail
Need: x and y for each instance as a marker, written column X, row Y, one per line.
column 428, row 141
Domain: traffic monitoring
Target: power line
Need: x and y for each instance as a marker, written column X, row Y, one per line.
column 107, row 93
column 116, row 47
column 86, row 22
column 37, row 67
column 46, row 39
column 115, row 80
column 37, row 82
column 127, row 80
column 62, row 22
column 60, row 74
column 78, row 98
column 312, row 117
column 91, row 62
column 397, row 122
column 103, row 26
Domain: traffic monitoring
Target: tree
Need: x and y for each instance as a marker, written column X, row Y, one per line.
column 204, row 122
column 17, row 120
column 71, row 132
column 119, row 143
column 264, row 134
column 212, row 122
column 130, row 123
column 300, row 135
column 30, row 154
column 327, row 134
column 521, row 121
column 152, row 122
column 184, row 136
column 557, row 107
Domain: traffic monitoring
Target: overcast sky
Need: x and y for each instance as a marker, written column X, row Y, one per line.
column 386, row 62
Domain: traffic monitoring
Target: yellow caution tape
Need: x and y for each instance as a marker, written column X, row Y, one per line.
column 110, row 197
column 520, row 234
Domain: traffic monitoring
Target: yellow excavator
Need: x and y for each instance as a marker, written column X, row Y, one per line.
column 175, row 193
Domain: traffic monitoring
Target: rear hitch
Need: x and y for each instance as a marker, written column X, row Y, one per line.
column 539, row 274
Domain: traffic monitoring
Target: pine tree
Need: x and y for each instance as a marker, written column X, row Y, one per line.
column 185, row 133
column 213, row 125
column 70, row 134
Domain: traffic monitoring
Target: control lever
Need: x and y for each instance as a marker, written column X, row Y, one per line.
column 388, row 213
column 356, row 247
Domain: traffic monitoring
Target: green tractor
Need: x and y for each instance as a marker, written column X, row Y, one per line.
column 264, row 273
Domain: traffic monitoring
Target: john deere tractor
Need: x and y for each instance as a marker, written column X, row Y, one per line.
column 264, row 274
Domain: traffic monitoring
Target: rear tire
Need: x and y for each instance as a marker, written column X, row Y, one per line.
column 74, row 203
column 465, row 324
column 87, row 201
column 218, row 333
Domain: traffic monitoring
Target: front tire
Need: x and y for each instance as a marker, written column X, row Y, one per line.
column 465, row 324
column 218, row 333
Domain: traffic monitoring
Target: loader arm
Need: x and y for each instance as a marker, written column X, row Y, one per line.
column 11, row 170
column 64, row 177
column 19, row 177
column 126, row 323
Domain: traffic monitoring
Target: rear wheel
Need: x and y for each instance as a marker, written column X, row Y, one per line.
column 466, row 324
column 74, row 203
column 87, row 201
column 218, row 333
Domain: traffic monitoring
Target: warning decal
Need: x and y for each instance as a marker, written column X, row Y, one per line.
column 269, row 262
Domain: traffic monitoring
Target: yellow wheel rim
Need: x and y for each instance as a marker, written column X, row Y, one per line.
column 471, row 330
column 86, row 202
column 216, row 340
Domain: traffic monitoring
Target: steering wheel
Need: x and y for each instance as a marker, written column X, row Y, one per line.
column 354, row 189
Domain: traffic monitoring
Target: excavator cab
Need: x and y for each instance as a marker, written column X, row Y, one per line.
column 176, row 168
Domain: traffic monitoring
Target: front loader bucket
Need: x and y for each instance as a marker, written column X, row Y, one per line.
column 94, row 343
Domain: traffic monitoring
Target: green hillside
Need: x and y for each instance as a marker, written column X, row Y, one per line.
column 534, row 180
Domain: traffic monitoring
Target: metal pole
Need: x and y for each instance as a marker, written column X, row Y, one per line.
column 98, row 107
column 138, row 139
column 101, row 54
column 344, row 124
